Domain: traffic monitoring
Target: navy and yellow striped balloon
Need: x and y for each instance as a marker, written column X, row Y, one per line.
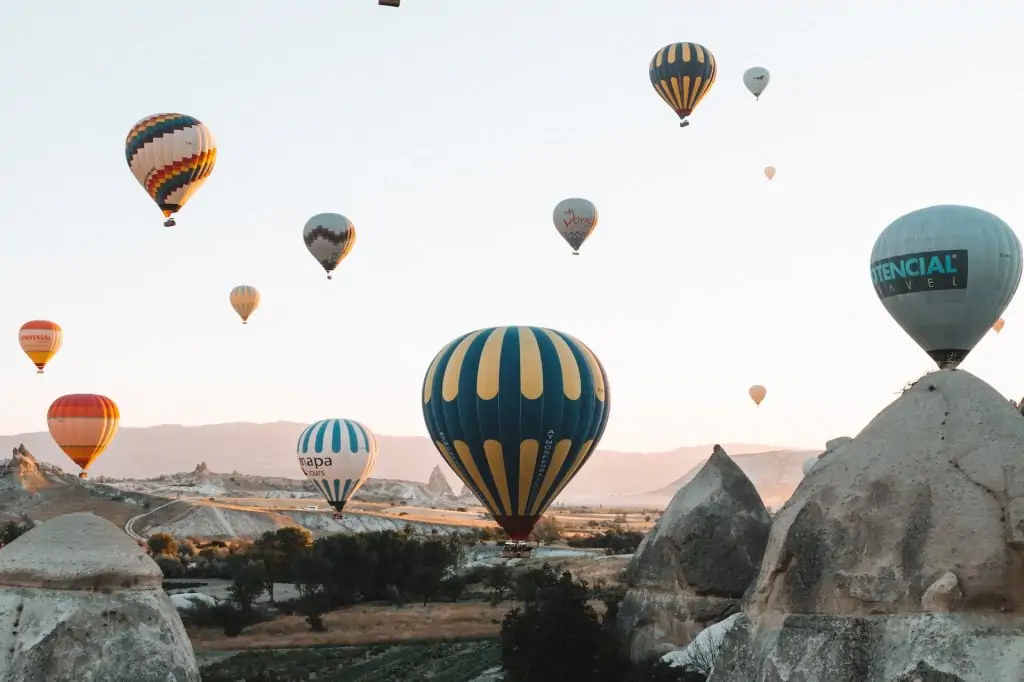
column 682, row 74
column 516, row 412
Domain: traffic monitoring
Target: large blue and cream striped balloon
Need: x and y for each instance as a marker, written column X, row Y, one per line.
column 516, row 412
column 337, row 455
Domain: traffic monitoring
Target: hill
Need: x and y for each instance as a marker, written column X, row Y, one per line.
column 267, row 450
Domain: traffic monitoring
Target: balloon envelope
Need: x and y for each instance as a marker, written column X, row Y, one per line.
column 756, row 79
column 83, row 426
column 769, row 172
column 998, row 326
column 682, row 74
column 40, row 340
column 516, row 412
column 329, row 237
column 757, row 393
column 946, row 274
column 245, row 299
column 171, row 155
column 575, row 219
column 337, row 455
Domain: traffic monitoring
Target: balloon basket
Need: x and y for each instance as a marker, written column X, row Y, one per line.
column 170, row 222
column 39, row 371
column 245, row 322
column 83, row 475
column 683, row 124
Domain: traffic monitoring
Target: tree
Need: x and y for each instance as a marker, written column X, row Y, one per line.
column 546, row 531
column 312, row 575
column 498, row 579
column 12, row 530
column 162, row 543
column 426, row 582
column 248, row 585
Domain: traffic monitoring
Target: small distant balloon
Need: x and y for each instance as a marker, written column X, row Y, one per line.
column 171, row 155
column 245, row 299
column 337, row 456
column 769, row 172
column 575, row 219
column 756, row 79
column 82, row 425
column 757, row 393
column 682, row 74
column 998, row 326
column 944, row 273
column 329, row 238
column 40, row 340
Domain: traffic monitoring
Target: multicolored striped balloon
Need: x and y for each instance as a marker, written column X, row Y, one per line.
column 245, row 299
column 40, row 339
column 171, row 155
column 337, row 455
column 516, row 412
column 83, row 424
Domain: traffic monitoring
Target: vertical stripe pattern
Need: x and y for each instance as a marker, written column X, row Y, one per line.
column 245, row 299
column 83, row 425
column 515, row 412
column 337, row 455
column 682, row 74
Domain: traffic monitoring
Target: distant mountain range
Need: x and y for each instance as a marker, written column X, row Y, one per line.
column 269, row 450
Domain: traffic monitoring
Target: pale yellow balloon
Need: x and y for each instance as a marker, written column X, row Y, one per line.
column 998, row 326
column 757, row 393
column 245, row 299
column 769, row 172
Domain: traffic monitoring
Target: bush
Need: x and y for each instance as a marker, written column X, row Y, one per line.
column 162, row 543
column 614, row 541
column 225, row 616
column 170, row 566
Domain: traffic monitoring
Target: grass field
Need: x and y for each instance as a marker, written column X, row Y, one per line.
column 452, row 661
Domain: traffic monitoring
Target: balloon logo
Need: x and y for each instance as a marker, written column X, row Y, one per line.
column 329, row 238
column 682, row 74
column 516, row 412
column 83, row 425
column 337, row 455
column 245, row 299
column 171, row 155
column 40, row 340
column 944, row 273
column 757, row 393
column 756, row 80
column 769, row 172
column 998, row 326
column 575, row 220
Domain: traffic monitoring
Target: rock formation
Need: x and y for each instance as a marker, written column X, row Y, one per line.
column 438, row 484
column 695, row 564
column 903, row 558
column 466, row 492
column 80, row 601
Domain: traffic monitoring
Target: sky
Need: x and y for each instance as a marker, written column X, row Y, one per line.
column 447, row 130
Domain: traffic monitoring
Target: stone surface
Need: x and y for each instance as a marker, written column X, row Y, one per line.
column 943, row 595
column 81, row 602
column 692, row 568
column 933, row 485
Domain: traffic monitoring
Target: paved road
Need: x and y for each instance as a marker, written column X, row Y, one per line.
column 131, row 522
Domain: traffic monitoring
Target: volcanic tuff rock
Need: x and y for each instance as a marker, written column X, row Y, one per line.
column 901, row 559
column 79, row 600
column 695, row 564
column 438, row 484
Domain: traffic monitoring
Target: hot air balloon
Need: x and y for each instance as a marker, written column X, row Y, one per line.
column 389, row 3
column 998, row 326
column 83, row 424
column 40, row 339
column 756, row 79
column 575, row 219
column 516, row 412
column 337, row 455
column 945, row 274
column 682, row 74
column 171, row 155
column 329, row 237
column 245, row 300
column 757, row 393
column 769, row 172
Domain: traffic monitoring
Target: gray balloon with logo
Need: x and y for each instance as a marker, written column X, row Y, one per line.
column 946, row 274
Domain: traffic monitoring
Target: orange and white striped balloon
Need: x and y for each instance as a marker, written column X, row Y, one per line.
column 245, row 300
column 83, row 424
column 40, row 339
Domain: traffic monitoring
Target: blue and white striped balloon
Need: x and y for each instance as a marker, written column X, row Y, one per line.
column 337, row 455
